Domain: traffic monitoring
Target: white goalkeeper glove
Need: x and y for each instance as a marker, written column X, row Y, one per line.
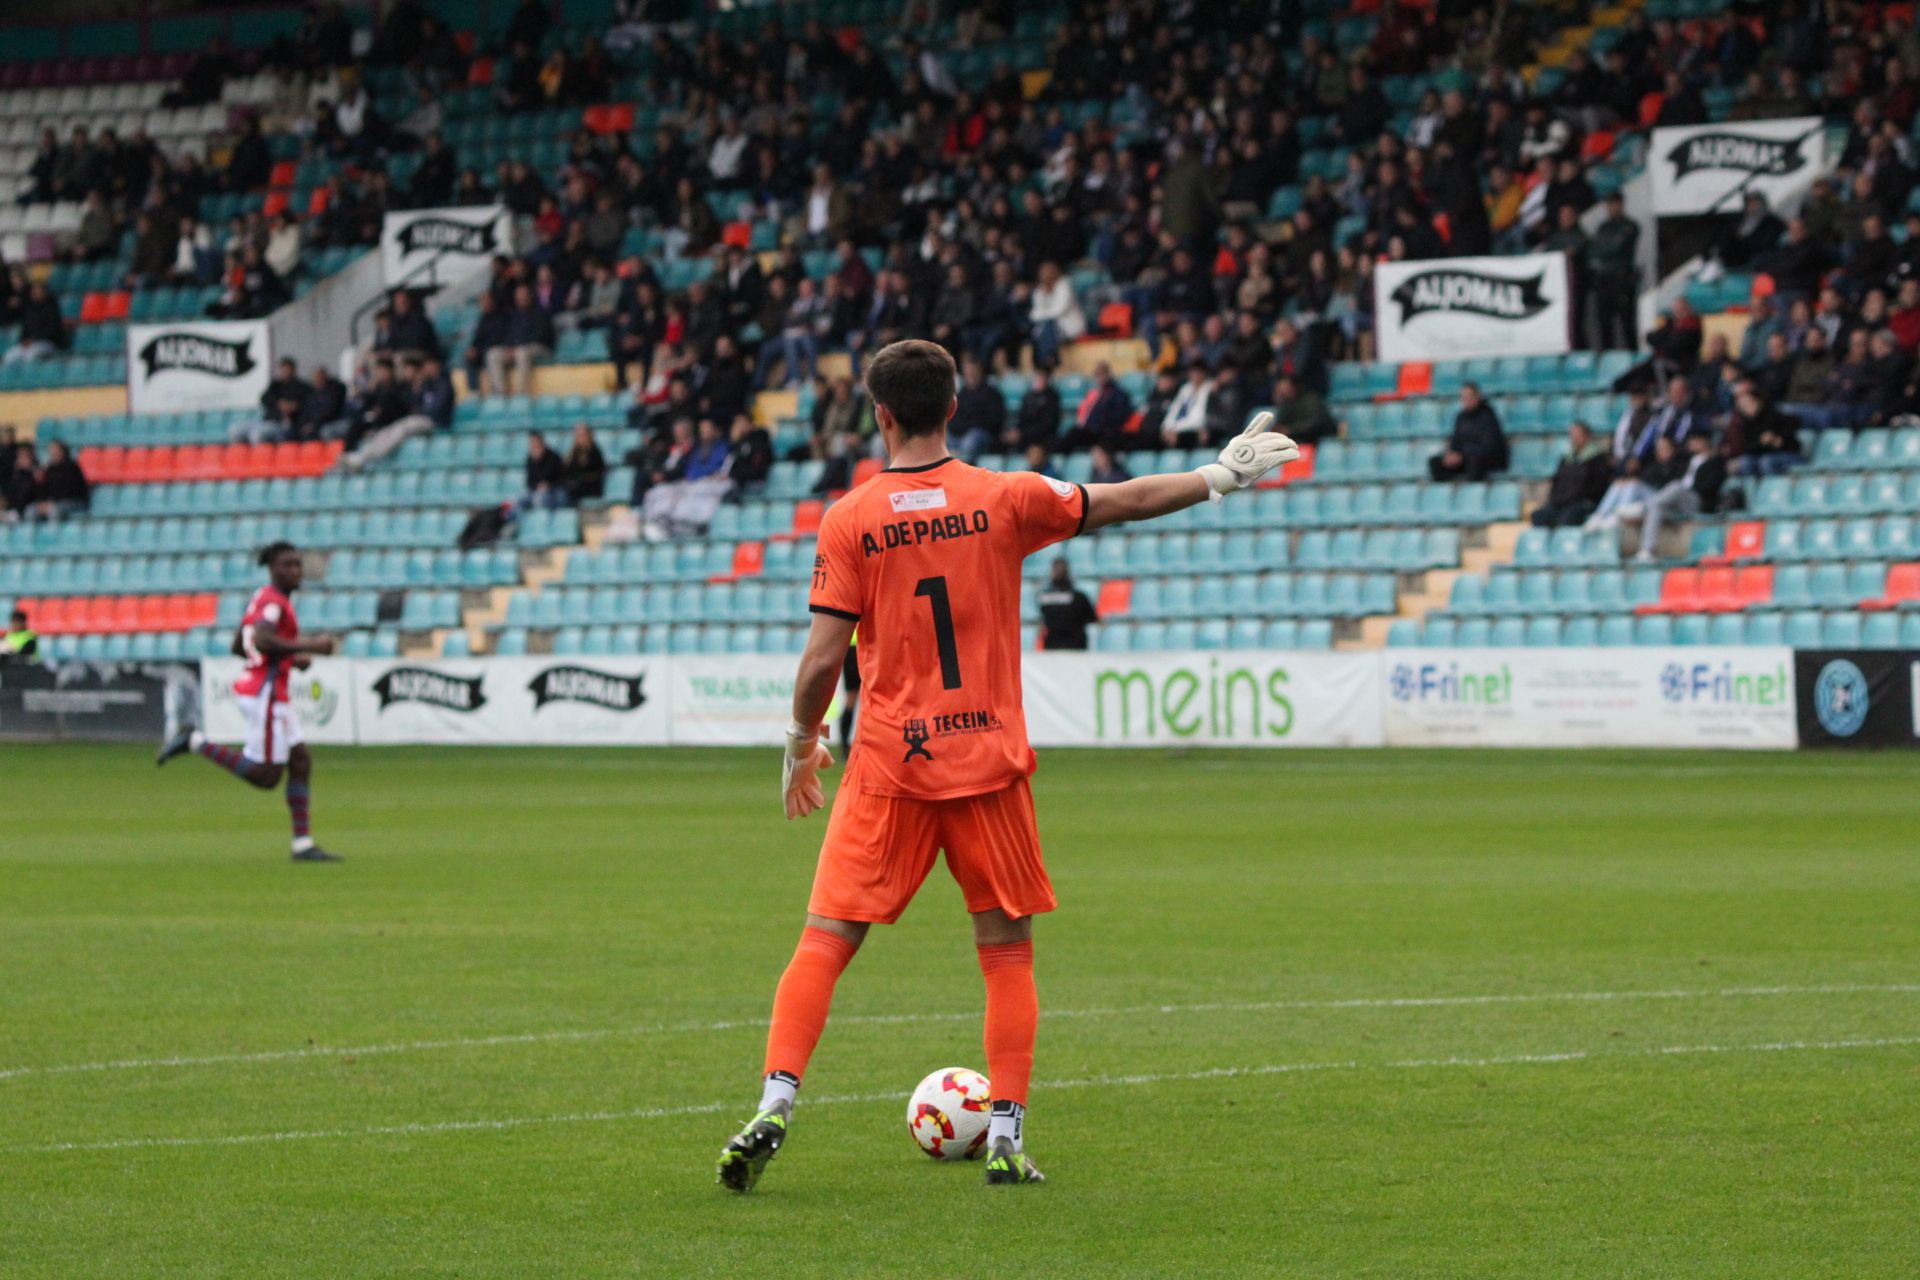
column 800, row 771
column 1247, row 457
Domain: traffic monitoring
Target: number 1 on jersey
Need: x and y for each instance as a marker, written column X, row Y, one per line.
column 935, row 590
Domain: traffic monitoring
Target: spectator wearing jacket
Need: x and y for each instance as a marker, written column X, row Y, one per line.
column 429, row 408
column 1104, row 411
column 526, row 335
column 1477, row 446
column 1761, row 440
column 280, row 408
column 1038, row 419
column 1579, row 482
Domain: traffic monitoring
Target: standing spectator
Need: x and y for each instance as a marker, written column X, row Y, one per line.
column 1477, row 446
column 1065, row 611
column 584, row 473
column 526, row 335
column 545, row 487
column 20, row 644
column 1579, row 482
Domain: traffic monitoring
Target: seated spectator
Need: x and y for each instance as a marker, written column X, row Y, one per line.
column 1227, row 405
column 98, row 236
column 283, row 244
column 1300, row 412
column 980, row 411
column 726, row 391
column 1812, row 366
column 1037, row 459
column 1065, row 611
column 489, row 333
column 195, row 261
column 1672, row 485
column 1038, row 419
column 409, row 332
column 1773, row 373
column 1674, row 419
column 752, row 446
column 684, row 501
column 525, row 335
column 23, row 485
column 1477, row 446
column 1103, row 413
column 20, row 643
column 1760, row 440
column 797, row 342
column 64, row 492
column 1754, row 236
column 1185, row 423
column 1105, row 468
column 281, row 405
column 584, row 473
column 545, row 488
column 428, row 402
column 43, row 331
column 1053, row 315
column 1153, row 415
column 378, row 401
column 1579, row 483
column 323, row 412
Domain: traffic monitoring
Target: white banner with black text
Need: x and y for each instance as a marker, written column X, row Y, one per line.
column 1463, row 308
column 459, row 243
column 195, row 364
column 1710, row 168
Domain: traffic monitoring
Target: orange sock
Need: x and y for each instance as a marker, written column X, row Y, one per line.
column 801, row 1001
column 1013, row 1018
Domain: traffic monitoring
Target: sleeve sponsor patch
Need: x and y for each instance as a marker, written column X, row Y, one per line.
column 918, row 499
column 1060, row 487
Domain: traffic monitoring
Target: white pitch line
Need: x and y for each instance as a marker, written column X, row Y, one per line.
column 889, row 1019
column 1088, row 1082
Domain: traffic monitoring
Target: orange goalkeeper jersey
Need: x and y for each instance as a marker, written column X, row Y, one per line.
column 928, row 561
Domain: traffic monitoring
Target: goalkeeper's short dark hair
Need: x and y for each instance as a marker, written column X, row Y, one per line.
column 914, row 380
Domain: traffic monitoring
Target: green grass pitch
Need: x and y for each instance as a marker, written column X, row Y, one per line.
column 1304, row 1014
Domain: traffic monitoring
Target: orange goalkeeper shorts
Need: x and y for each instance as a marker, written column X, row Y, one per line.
column 879, row 849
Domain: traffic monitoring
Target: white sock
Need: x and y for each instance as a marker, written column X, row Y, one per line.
column 1007, row 1121
column 779, row 1087
column 302, row 843
column 196, row 740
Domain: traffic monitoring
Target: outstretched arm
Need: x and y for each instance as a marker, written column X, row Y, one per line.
column 813, row 687
column 1247, row 457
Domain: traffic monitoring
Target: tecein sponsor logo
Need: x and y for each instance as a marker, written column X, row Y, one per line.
column 434, row 688
column 197, row 353
column 594, row 688
column 1719, row 682
column 1446, row 682
column 1451, row 289
column 1236, row 702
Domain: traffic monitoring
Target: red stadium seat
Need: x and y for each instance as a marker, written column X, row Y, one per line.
column 154, row 613
column 93, row 307
column 1416, row 378
column 612, row 117
column 737, row 235
column 119, row 304
column 317, row 203
column 1718, row 593
column 283, row 174
column 806, row 515
column 1746, row 540
column 1598, row 145
column 480, row 72
column 1902, row 589
column 748, row 559
column 1301, row 468
column 1650, row 108
column 1116, row 318
column 1753, row 585
column 276, row 203
column 1116, row 598
column 177, row 613
column 1679, row 593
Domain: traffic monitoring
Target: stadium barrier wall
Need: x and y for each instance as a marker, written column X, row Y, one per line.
column 1625, row 697
column 92, row 701
column 1632, row 697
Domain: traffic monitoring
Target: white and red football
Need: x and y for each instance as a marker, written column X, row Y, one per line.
column 947, row 1115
